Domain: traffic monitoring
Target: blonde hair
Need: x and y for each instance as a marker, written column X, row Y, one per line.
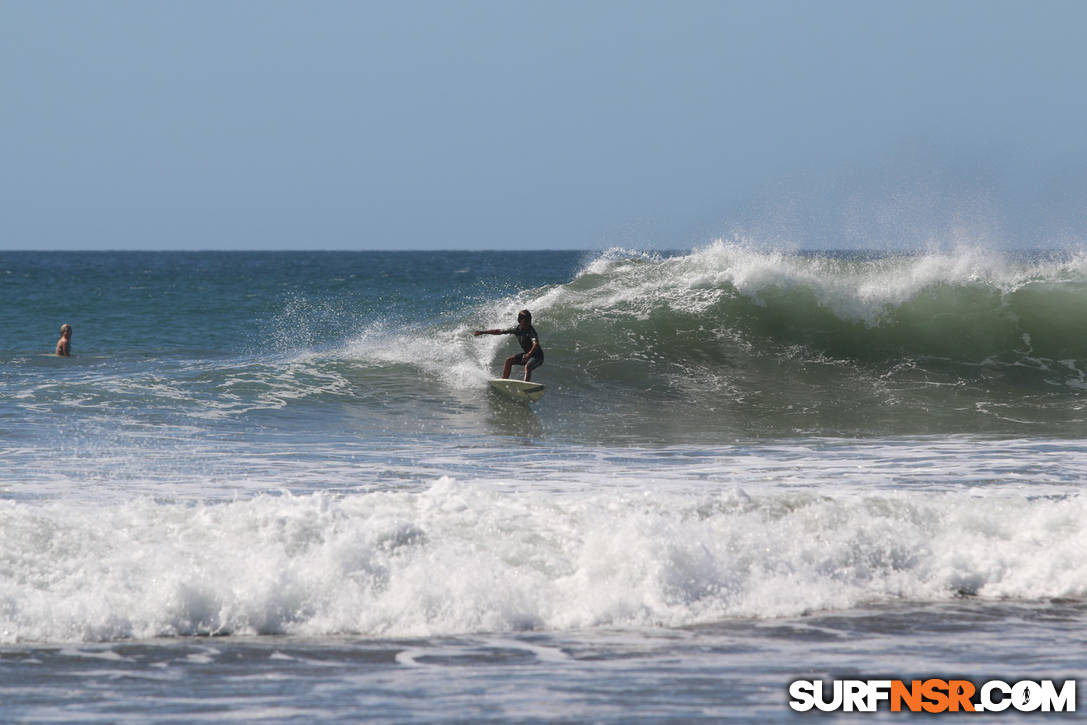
column 65, row 328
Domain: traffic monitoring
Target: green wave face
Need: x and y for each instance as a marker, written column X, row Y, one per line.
column 841, row 343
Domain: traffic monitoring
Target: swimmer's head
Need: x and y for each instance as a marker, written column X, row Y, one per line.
column 65, row 330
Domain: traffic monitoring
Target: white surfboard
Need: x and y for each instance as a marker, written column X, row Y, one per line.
column 519, row 389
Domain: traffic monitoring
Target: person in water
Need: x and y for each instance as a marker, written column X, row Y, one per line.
column 64, row 344
column 532, row 357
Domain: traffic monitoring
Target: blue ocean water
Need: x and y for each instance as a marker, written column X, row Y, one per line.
column 275, row 485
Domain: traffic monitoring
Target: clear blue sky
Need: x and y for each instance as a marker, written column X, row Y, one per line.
column 466, row 124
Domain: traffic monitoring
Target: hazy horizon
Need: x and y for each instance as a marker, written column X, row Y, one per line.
column 498, row 126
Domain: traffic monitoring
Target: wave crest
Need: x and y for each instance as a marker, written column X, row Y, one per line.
column 969, row 306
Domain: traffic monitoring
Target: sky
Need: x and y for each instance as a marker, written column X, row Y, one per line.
column 470, row 124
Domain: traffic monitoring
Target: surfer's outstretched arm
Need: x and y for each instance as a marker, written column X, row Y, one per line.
column 477, row 333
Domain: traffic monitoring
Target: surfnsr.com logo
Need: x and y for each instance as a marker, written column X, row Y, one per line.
column 932, row 695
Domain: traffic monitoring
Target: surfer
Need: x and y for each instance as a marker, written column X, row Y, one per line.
column 533, row 356
column 64, row 344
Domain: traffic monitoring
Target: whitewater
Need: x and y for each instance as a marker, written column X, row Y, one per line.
column 275, row 486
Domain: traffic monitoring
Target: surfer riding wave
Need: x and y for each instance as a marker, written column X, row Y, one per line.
column 528, row 338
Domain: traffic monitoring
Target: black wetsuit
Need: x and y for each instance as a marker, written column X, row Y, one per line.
column 525, row 339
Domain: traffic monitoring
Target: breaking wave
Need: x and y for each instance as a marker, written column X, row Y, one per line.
column 461, row 557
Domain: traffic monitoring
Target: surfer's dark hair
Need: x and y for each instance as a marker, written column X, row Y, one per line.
column 524, row 315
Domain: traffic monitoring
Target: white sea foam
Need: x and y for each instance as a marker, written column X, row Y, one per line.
column 852, row 290
column 480, row 555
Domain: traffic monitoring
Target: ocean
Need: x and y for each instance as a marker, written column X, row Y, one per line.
column 275, row 486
